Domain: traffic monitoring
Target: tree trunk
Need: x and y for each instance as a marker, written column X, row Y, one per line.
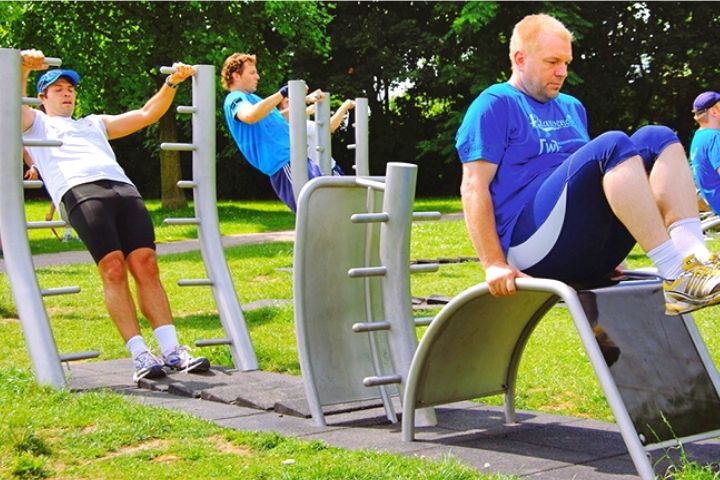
column 170, row 173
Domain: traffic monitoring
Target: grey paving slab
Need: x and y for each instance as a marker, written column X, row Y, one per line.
column 539, row 446
column 199, row 408
column 274, row 422
column 500, row 455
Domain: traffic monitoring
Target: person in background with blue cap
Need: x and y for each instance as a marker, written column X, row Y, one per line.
column 104, row 207
column 705, row 148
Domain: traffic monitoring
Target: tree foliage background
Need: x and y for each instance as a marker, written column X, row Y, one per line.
column 420, row 64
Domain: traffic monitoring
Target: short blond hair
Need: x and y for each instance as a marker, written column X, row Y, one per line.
column 527, row 31
column 235, row 63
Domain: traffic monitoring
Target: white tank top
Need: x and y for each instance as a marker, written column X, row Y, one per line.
column 85, row 155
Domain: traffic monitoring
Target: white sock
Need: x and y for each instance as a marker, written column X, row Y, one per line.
column 667, row 260
column 687, row 235
column 136, row 345
column 166, row 337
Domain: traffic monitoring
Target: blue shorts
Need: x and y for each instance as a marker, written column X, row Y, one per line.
column 281, row 181
column 569, row 232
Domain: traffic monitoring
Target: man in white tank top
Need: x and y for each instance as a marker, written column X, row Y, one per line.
column 104, row 206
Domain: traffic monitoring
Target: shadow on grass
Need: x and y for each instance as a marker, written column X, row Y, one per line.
column 8, row 312
column 209, row 322
column 260, row 219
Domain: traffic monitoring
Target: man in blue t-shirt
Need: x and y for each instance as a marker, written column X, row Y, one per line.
column 543, row 199
column 259, row 130
column 705, row 148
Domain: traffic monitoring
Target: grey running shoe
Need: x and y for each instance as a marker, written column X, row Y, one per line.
column 147, row 365
column 697, row 286
column 181, row 360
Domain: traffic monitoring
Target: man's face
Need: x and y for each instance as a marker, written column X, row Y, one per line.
column 543, row 66
column 59, row 98
column 248, row 80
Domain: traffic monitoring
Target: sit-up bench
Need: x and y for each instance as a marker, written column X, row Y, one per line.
column 655, row 370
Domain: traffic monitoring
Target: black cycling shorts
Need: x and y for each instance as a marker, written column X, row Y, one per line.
column 109, row 216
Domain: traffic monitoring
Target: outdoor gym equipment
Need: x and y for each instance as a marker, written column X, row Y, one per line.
column 654, row 369
column 298, row 135
column 13, row 228
column 356, row 341
column 351, row 280
column 203, row 185
column 27, row 294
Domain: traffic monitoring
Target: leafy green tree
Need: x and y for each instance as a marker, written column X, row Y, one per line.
column 118, row 47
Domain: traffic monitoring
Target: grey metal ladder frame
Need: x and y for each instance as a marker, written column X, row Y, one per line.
column 337, row 365
column 298, row 136
column 203, row 185
column 27, row 294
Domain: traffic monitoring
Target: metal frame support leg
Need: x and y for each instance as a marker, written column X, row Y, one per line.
column 18, row 259
column 395, row 256
column 228, row 305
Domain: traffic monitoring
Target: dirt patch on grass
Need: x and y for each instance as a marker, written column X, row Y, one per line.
column 130, row 450
column 225, row 446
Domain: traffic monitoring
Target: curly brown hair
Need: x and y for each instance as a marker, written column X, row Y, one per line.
column 234, row 63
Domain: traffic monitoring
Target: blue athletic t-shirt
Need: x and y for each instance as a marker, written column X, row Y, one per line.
column 266, row 143
column 705, row 160
column 525, row 138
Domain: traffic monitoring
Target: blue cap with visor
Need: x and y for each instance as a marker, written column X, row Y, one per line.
column 52, row 76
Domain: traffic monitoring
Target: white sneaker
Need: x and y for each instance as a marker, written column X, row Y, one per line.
column 697, row 287
column 147, row 365
column 180, row 359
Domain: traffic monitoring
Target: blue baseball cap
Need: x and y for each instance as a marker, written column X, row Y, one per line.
column 705, row 100
column 52, row 76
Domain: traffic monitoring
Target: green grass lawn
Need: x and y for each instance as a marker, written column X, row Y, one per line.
column 101, row 435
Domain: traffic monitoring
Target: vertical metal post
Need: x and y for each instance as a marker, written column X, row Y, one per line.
column 298, row 136
column 362, row 164
column 18, row 258
column 322, row 127
column 205, row 199
column 395, row 256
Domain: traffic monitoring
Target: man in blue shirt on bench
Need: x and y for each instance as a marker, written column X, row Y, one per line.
column 543, row 199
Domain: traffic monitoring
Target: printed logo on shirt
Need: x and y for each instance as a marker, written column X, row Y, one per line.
column 548, row 146
column 548, row 126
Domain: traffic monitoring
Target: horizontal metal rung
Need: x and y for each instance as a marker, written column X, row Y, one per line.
column 31, row 101
column 177, row 147
column 181, row 221
column 194, row 282
column 425, row 216
column 383, row 380
column 213, row 341
column 49, row 292
column 32, row 183
column 186, row 109
column 423, row 321
column 36, row 142
column 364, row 182
column 351, row 146
column 72, row 357
column 43, row 224
column 370, row 326
column 424, row 267
column 367, row 272
column 186, row 184
column 369, row 217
